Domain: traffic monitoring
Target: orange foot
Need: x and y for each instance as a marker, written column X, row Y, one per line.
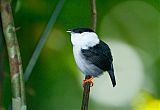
column 88, row 81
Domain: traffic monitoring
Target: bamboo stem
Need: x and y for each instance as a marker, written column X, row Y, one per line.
column 16, row 71
column 1, row 67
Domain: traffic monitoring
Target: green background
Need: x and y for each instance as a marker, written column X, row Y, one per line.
column 54, row 83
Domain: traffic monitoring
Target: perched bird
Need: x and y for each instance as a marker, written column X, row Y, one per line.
column 92, row 55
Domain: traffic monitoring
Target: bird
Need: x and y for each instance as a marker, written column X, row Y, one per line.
column 92, row 56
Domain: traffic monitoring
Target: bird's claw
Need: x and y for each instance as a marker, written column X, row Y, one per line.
column 88, row 81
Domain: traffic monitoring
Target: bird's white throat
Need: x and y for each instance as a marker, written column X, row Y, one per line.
column 85, row 39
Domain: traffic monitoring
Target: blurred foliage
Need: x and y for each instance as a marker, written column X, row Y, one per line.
column 54, row 84
column 148, row 102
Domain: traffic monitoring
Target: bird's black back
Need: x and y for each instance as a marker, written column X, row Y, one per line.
column 99, row 55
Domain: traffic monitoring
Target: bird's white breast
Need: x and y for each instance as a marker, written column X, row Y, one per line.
column 84, row 41
column 85, row 66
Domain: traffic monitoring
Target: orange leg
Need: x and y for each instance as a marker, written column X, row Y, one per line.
column 88, row 81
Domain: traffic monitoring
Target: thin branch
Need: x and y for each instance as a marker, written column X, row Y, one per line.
column 43, row 39
column 86, row 91
column 16, row 71
column 94, row 14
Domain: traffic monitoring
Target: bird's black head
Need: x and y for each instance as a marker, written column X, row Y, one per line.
column 80, row 30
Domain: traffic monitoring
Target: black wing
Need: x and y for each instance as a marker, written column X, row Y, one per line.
column 100, row 55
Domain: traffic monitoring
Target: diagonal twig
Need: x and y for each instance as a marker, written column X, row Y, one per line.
column 86, row 91
column 42, row 40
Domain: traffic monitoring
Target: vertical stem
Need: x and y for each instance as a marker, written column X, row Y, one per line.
column 16, row 71
column 86, row 91
column 94, row 14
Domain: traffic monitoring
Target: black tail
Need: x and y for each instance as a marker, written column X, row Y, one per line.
column 111, row 74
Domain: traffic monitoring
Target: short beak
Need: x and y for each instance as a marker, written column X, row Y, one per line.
column 69, row 31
